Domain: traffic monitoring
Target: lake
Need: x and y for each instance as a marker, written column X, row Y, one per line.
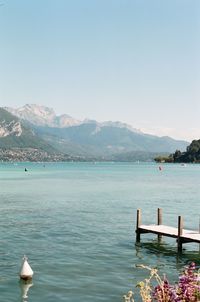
column 76, row 224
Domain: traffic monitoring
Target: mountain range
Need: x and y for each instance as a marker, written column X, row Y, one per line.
column 38, row 127
column 42, row 116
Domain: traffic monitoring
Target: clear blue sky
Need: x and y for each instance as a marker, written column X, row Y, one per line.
column 137, row 61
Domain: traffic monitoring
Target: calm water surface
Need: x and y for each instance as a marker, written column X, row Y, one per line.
column 76, row 223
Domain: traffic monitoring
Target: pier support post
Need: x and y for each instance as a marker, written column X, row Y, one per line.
column 159, row 221
column 180, row 232
column 138, row 222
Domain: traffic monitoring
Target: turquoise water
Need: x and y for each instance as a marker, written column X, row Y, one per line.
column 76, row 223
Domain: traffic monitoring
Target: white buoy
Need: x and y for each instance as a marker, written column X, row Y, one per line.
column 26, row 272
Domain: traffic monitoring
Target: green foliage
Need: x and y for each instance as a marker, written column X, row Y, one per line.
column 158, row 289
column 191, row 155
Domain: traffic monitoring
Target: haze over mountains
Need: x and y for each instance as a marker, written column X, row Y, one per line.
column 33, row 124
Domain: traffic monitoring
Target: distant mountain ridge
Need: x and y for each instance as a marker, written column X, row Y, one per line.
column 42, row 116
column 19, row 142
column 83, row 139
column 105, row 141
column 14, row 134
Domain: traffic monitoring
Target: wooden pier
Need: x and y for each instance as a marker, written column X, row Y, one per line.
column 182, row 235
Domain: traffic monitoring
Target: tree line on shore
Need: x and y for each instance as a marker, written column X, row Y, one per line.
column 191, row 155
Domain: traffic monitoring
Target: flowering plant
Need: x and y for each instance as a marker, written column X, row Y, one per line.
column 186, row 290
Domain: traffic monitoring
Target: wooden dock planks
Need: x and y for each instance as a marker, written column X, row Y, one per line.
column 182, row 235
column 168, row 231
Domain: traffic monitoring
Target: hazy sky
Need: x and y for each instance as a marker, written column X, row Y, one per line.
column 137, row 61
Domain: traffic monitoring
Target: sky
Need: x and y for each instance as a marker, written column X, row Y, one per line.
column 134, row 61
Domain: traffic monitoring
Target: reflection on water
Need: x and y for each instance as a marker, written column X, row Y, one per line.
column 25, row 286
column 164, row 249
column 81, row 216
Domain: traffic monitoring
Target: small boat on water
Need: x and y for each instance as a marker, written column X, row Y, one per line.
column 26, row 272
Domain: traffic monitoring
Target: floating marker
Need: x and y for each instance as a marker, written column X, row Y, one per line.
column 26, row 272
